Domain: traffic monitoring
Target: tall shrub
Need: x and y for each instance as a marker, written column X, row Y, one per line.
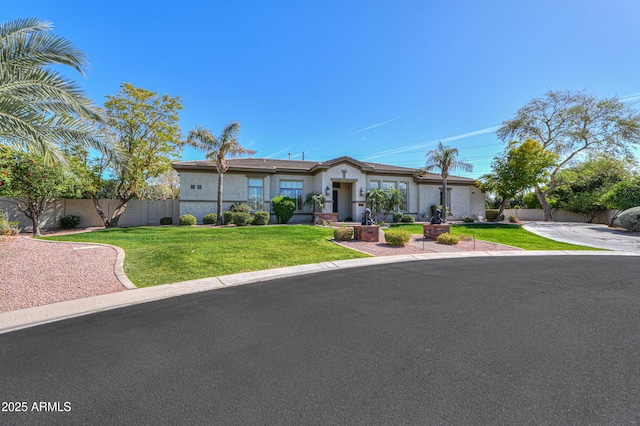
column 283, row 208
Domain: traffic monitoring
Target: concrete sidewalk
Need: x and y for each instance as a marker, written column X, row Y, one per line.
column 15, row 320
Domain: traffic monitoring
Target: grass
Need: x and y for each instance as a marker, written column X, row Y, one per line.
column 509, row 234
column 166, row 254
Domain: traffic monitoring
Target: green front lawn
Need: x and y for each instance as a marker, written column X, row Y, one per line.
column 502, row 233
column 167, row 254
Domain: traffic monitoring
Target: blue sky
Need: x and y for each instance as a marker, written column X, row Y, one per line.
column 377, row 80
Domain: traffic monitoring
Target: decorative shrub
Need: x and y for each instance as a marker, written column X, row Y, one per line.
column 209, row 219
column 448, row 239
column 227, row 217
column 467, row 219
column 397, row 217
column 514, row 219
column 261, row 217
column 630, row 219
column 283, row 207
column 240, row 207
column 397, row 237
column 69, row 221
column 407, row 218
column 166, row 220
column 492, row 215
column 187, row 219
column 466, row 237
column 241, row 218
column 343, row 234
column 9, row 229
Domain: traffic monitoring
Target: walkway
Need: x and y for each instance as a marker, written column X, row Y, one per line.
column 587, row 234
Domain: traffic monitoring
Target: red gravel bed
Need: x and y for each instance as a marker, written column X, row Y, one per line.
column 34, row 273
column 419, row 245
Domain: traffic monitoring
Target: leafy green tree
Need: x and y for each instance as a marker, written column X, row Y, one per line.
column 314, row 199
column 31, row 184
column 445, row 159
column 515, row 170
column 572, row 124
column 41, row 109
column 384, row 201
column 585, row 184
column 141, row 141
column 622, row 196
column 219, row 149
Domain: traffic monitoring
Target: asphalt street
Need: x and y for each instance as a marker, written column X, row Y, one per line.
column 499, row 340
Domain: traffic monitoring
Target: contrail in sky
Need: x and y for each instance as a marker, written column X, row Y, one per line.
column 432, row 142
column 373, row 126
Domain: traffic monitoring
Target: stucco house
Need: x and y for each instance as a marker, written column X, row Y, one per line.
column 343, row 181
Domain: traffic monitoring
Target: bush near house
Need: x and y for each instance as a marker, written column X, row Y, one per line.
column 227, row 217
column 397, row 237
column 407, row 218
column 8, row 229
column 69, row 221
column 397, row 217
column 240, row 207
column 209, row 219
column 492, row 215
column 261, row 217
column 630, row 219
column 467, row 219
column 167, row 220
column 187, row 220
column 343, row 234
column 241, row 218
column 283, row 208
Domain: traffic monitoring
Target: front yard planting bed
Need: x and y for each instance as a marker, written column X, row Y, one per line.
column 501, row 233
column 162, row 255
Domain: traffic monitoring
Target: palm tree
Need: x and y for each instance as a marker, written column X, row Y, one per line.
column 40, row 109
column 444, row 159
column 314, row 199
column 218, row 149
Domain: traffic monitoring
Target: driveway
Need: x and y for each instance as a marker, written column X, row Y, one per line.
column 587, row 234
column 492, row 340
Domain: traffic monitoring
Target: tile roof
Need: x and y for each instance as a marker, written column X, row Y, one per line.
column 270, row 165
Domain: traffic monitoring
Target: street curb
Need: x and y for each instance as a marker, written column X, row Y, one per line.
column 38, row 315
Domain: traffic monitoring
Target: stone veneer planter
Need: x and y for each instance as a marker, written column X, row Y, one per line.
column 368, row 233
column 329, row 217
column 431, row 232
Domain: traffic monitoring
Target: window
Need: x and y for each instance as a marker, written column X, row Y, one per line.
column 402, row 187
column 193, row 187
column 388, row 184
column 292, row 189
column 256, row 191
column 199, row 186
column 374, row 184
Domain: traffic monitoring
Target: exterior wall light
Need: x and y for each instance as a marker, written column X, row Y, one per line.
column 327, row 191
column 361, row 192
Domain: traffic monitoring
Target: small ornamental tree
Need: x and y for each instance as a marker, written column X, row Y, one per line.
column 314, row 199
column 384, row 201
column 31, row 183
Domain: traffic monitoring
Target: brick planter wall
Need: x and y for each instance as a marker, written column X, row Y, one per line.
column 431, row 232
column 369, row 233
column 329, row 217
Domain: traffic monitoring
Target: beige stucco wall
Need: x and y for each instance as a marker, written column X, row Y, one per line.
column 138, row 212
column 465, row 200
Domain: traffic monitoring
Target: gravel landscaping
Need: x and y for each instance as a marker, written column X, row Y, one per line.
column 40, row 273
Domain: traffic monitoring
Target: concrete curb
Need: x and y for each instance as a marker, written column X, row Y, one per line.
column 29, row 317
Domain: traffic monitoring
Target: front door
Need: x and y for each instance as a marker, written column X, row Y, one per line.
column 335, row 201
